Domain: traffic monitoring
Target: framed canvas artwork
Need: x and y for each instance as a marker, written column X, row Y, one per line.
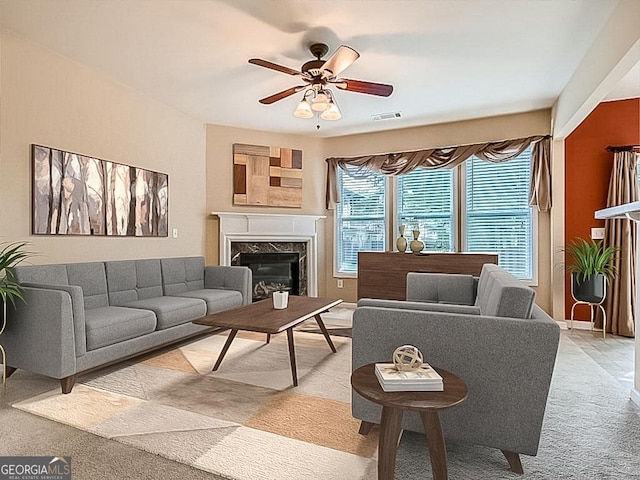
column 75, row 194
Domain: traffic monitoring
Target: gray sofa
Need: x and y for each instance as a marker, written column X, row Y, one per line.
column 79, row 316
column 486, row 330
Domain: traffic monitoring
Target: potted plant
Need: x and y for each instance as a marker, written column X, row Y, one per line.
column 591, row 267
column 280, row 296
column 11, row 255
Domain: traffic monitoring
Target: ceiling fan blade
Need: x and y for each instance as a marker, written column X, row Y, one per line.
column 273, row 66
column 280, row 95
column 360, row 86
column 341, row 59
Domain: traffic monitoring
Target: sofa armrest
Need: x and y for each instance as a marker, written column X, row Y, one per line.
column 506, row 363
column 39, row 336
column 441, row 288
column 429, row 306
column 229, row 278
column 77, row 309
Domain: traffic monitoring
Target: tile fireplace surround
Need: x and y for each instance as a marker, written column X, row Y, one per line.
column 255, row 228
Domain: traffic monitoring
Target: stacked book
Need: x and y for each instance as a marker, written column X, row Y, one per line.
column 424, row 379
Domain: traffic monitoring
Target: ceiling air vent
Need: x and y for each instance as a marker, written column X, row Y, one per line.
column 386, row 116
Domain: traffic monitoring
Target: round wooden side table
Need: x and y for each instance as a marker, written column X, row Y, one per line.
column 365, row 382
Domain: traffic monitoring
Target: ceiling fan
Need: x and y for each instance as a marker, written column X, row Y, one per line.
column 317, row 76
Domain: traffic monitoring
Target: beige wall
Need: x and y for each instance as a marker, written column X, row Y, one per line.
column 220, row 142
column 50, row 100
column 449, row 134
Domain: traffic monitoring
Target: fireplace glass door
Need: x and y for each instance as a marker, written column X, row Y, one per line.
column 272, row 272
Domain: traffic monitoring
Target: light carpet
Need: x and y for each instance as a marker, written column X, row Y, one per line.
column 591, row 431
column 247, row 422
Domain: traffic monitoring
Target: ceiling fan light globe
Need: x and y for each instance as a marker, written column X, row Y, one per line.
column 303, row 110
column 321, row 102
column 321, row 97
column 320, row 107
column 332, row 113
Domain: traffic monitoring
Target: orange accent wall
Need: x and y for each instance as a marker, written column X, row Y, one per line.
column 588, row 168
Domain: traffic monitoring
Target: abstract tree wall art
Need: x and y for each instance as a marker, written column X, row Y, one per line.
column 75, row 194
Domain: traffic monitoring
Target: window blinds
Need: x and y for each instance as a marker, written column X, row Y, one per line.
column 425, row 203
column 360, row 216
column 498, row 217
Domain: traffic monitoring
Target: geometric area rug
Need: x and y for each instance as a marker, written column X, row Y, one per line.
column 245, row 421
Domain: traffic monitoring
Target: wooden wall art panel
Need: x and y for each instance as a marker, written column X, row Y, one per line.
column 269, row 176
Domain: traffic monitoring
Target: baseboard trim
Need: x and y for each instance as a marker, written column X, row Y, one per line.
column 635, row 396
column 347, row 305
column 577, row 325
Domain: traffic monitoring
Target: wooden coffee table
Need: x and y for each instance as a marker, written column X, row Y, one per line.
column 365, row 382
column 262, row 317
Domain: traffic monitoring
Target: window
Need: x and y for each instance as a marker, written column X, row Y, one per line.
column 497, row 214
column 425, row 202
column 492, row 199
column 360, row 216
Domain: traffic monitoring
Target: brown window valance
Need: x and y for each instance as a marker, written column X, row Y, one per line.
column 404, row 162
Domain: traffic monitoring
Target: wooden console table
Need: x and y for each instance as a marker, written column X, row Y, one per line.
column 384, row 274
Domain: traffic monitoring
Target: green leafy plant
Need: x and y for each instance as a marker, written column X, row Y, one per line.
column 11, row 255
column 281, row 287
column 590, row 258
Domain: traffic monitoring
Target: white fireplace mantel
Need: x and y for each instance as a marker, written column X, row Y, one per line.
column 271, row 227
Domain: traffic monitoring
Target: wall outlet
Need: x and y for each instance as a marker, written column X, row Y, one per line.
column 174, row 233
column 340, row 283
column 597, row 233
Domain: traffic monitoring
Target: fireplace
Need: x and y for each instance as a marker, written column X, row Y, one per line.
column 272, row 233
column 272, row 272
column 273, row 263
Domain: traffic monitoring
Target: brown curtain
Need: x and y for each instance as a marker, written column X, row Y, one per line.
column 620, row 303
column 540, row 185
column 404, row 162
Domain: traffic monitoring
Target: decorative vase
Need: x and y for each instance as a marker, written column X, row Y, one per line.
column 416, row 245
column 280, row 300
column 401, row 243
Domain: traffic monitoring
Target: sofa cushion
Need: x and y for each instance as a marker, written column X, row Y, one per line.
column 91, row 277
column 110, row 325
column 217, row 300
column 131, row 280
column 441, row 288
column 500, row 294
column 181, row 275
column 47, row 274
column 172, row 311
column 483, row 284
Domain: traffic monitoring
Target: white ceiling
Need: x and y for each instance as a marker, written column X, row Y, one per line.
column 447, row 59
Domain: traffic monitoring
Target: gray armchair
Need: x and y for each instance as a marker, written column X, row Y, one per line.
column 487, row 331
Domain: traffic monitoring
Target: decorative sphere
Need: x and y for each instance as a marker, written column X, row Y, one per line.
column 407, row 358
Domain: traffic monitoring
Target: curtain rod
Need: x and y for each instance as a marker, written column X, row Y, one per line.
column 622, row 148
